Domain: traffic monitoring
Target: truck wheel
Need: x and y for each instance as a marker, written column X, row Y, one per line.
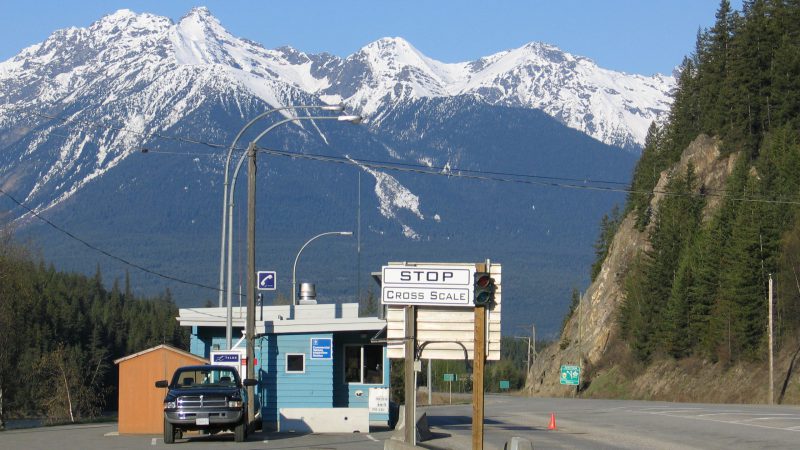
column 169, row 433
column 240, row 432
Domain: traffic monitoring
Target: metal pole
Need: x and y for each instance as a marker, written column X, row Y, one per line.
column 771, row 365
column 226, row 180
column 251, row 276
column 430, row 384
column 352, row 119
column 358, row 240
column 294, row 267
column 410, row 375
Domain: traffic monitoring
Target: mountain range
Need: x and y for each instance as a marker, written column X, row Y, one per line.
column 551, row 136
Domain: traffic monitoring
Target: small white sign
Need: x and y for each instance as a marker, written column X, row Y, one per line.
column 379, row 400
column 427, row 285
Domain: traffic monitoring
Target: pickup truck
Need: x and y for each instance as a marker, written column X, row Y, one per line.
column 206, row 397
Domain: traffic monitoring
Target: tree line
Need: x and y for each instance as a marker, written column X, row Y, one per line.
column 702, row 287
column 60, row 333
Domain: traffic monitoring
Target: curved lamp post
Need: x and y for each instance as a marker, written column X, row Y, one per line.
column 335, row 108
column 230, row 205
column 294, row 267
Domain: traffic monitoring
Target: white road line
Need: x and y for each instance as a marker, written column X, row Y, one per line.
column 153, row 442
column 724, row 421
column 372, row 438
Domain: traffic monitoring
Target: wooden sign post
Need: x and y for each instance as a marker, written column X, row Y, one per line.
column 479, row 356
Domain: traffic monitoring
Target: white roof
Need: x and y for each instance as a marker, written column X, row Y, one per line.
column 278, row 319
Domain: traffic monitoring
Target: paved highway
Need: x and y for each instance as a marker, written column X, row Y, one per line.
column 581, row 424
column 596, row 424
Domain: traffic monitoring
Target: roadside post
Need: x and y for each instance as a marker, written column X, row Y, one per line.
column 449, row 377
column 448, row 311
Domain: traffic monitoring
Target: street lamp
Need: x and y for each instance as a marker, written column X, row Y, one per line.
column 251, row 247
column 230, row 205
column 294, row 267
column 335, row 108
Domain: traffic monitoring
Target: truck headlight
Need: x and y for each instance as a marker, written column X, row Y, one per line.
column 234, row 404
column 170, row 405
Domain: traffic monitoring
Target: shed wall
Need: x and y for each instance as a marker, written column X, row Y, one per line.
column 141, row 409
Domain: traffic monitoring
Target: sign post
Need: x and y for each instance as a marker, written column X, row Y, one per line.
column 458, row 309
column 477, row 377
column 410, row 376
column 449, row 377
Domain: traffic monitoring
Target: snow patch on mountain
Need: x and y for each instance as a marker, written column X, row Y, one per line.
column 127, row 76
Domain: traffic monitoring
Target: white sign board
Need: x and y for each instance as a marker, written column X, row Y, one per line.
column 379, row 400
column 427, row 285
column 447, row 331
column 236, row 358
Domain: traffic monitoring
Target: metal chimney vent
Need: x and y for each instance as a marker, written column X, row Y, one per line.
column 308, row 294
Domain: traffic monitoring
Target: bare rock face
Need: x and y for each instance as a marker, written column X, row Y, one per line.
column 589, row 332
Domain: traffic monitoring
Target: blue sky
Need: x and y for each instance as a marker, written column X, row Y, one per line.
column 635, row 36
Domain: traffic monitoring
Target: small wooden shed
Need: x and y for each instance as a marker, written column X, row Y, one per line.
column 141, row 407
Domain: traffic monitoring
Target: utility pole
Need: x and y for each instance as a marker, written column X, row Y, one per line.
column 430, row 384
column 533, row 338
column 771, row 366
column 580, row 331
column 479, row 362
column 410, row 376
column 250, row 324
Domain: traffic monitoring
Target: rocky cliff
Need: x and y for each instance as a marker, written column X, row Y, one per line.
column 590, row 334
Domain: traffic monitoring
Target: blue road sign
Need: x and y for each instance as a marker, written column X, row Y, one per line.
column 266, row 280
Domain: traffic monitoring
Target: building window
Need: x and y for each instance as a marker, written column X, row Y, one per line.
column 295, row 363
column 363, row 364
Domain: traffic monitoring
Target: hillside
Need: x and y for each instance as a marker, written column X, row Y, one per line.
column 678, row 306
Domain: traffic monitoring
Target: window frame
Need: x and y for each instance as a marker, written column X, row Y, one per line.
column 361, row 364
column 286, row 368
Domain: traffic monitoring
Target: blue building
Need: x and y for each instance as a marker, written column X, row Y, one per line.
column 317, row 368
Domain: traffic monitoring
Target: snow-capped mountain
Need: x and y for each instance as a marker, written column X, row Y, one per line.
column 76, row 109
column 147, row 72
column 613, row 107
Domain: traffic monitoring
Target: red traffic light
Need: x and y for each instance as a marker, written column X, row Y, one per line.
column 483, row 280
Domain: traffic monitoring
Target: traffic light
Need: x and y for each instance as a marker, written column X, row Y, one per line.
column 484, row 289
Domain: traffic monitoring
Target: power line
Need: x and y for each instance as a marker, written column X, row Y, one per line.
column 454, row 172
column 99, row 250
column 490, row 176
column 507, row 177
column 394, row 164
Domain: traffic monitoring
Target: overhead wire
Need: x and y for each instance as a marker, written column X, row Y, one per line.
column 450, row 172
column 100, row 250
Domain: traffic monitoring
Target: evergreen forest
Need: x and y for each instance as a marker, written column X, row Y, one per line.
column 701, row 290
column 61, row 332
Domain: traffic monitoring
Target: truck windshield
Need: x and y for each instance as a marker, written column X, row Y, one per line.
column 205, row 377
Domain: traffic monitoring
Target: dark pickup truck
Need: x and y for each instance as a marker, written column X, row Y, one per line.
column 210, row 398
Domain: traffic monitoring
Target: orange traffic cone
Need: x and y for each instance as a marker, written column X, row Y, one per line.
column 552, row 425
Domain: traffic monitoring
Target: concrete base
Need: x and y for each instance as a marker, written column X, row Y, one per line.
column 423, row 431
column 324, row 420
